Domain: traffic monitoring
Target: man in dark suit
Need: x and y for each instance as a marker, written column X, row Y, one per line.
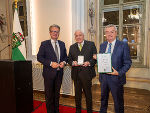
column 81, row 59
column 121, row 62
column 52, row 54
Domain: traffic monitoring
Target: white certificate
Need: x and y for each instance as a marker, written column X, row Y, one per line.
column 80, row 60
column 104, row 63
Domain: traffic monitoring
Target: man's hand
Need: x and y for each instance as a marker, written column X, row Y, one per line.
column 115, row 72
column 95, row 56
column 55, row 65
column 85, row 64
column 74, row 63
column 62, row 64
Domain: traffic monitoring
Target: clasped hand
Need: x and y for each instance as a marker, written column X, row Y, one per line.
column 57, row 65
column 85, row 64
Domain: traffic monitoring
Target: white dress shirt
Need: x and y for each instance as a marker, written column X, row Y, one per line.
column 81, row 44
column 112, row 46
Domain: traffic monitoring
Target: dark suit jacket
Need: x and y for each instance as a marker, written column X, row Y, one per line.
column 87, row 51
column 121, row 60
column 46, row 55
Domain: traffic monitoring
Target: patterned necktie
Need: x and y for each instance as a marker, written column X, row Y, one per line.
column 109, row 48
column 80, row 47
column 56, row 51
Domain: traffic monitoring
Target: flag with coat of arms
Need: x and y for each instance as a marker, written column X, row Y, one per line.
column 18, row 40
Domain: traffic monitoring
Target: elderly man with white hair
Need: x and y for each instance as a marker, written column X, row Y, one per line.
column 81, row 59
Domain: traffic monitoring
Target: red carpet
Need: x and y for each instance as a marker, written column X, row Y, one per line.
column 36, row 104
column 40, row 107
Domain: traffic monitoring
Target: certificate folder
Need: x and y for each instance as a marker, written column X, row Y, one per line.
column 104, row 63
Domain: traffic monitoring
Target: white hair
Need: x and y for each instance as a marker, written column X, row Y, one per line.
column 78, row 31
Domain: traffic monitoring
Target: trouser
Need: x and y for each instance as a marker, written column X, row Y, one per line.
column 83, row 82
column 111, row 83
column 52, row 93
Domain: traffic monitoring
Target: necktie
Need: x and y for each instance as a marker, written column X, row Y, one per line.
column 80, row 47
column 109, row 48
column 56, row 52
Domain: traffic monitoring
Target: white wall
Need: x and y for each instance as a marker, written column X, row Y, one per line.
column 44, row 13
column 69, row 14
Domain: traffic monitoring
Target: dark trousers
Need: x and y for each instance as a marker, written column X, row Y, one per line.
column 52, row 92
column 83, row 82
column 111, row 83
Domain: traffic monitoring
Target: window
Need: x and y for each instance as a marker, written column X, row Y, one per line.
column 108, row 2
column 130, row 0
column 128, row 16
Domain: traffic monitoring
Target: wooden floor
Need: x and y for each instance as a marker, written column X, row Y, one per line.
column 136, row 100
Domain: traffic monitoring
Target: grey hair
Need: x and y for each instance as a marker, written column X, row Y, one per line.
column 79, row 31
column 111, row 25
column 54, row 25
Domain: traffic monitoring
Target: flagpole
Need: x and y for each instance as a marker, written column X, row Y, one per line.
column 15, row 4
column 16, row 1
column 18, row 49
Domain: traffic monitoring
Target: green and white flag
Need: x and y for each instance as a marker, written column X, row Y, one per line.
column 18, row 41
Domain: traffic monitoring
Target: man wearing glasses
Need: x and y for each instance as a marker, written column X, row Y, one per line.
column 52, row 54
column 121, row 62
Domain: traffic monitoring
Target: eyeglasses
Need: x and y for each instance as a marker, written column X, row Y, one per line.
column 54, row 31
column 110, row 32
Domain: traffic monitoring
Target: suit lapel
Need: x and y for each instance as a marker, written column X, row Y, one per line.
column 115, row 48
column 76, row 47
column 104, row 47
column 61, row 49
column 84, row 46
column 51, row 48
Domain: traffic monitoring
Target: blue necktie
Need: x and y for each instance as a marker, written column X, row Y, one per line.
column 109, row 48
